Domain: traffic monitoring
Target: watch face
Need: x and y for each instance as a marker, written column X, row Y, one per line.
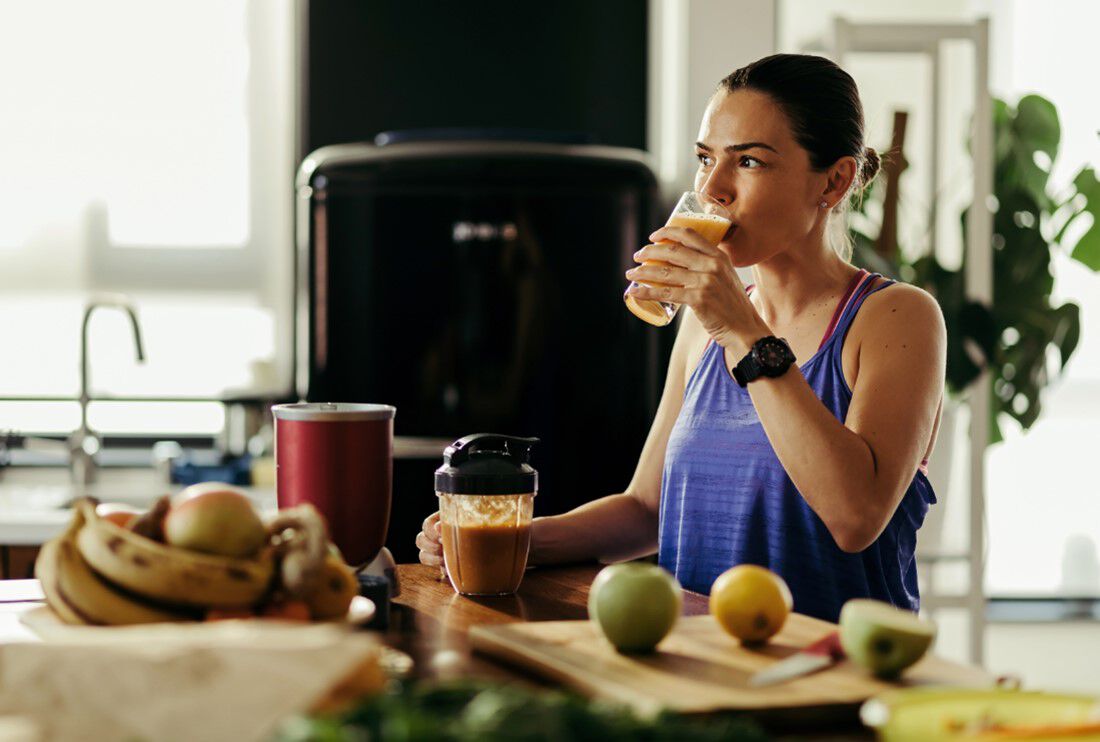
column 773, row 353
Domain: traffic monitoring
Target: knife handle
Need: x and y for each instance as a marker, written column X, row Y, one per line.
column 827, row 646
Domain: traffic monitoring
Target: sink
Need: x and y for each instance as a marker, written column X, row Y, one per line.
column 49, row 488
column 35, row 501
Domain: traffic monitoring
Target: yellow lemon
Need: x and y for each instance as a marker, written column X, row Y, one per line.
column 750, row 602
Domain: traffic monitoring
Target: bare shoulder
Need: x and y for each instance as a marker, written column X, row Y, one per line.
column 902, row 310
column 900, row 328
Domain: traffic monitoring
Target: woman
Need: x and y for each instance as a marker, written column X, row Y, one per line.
column 813, row 469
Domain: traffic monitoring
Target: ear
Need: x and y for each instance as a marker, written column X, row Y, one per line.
column 838, row 180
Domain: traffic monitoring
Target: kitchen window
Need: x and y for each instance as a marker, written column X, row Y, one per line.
column 148, row 150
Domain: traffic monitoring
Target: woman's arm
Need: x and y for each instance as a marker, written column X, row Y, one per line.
column 854, row 474
column 624, row 526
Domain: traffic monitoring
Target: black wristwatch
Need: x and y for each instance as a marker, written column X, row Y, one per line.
column 770, row 356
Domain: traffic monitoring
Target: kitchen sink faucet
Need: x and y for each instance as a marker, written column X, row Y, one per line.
column 84, row 443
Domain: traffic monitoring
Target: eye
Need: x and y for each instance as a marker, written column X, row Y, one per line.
column 704, row 159
column 750, row 162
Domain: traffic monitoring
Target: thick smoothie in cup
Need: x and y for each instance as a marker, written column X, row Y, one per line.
column 486, row 493
column 485, row 541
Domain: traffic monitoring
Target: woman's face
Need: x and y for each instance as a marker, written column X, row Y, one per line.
column 750, row 161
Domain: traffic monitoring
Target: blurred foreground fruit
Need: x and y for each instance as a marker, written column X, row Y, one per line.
column 228, row 614
column 336, row 586
column 882, row 638
column 287, row 610
column 215, row 518
column 171, row 574
column 635, row 605
column 150, row 524
column 80, row 596
column 121, row 515
column 100, row 572
column 750, row 602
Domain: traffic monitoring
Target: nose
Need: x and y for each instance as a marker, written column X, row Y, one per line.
column 717, row 187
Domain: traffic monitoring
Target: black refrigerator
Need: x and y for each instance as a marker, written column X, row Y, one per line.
column 474, row 281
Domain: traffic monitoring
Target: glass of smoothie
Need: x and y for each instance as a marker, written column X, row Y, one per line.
column 696, row 211
column 486, row 490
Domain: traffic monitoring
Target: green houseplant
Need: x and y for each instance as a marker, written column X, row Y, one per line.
column 1015, row 336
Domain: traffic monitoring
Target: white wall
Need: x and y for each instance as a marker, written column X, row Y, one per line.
column 693, row 45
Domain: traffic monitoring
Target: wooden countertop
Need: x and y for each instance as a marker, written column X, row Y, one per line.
column 429, row 620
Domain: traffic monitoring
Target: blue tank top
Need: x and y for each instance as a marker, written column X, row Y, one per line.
column 726, row 499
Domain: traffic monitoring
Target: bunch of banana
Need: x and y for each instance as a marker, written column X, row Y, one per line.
column 98, row 572
column 170, row 574
column 79, row 596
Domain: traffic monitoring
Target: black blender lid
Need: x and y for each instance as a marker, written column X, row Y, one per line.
column 487, row 464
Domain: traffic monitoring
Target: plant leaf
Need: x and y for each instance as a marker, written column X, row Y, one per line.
column 1087, row 249
column 1037, row 125
column 1068, row 332
column 1087, row 184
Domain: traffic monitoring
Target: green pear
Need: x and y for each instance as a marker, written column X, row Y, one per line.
column 882, row 638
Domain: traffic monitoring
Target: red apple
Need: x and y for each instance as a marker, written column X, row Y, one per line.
column 119, row 514
column 215, row 518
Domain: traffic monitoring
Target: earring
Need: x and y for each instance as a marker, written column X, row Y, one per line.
column 824, row 203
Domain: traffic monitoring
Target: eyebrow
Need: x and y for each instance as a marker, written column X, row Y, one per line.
column 740, row 147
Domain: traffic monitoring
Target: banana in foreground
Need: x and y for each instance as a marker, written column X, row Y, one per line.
column 171, row 574
column 79, row 596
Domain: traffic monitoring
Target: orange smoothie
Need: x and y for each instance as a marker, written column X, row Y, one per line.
column 486, row 559
column 711, row 228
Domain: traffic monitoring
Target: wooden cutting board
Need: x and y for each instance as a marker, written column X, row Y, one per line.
column 698, row 667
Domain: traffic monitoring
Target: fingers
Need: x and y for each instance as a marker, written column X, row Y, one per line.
column 428, row 541
column 677, row 254
column 684, row 236
column 660, row 274
column 675, row 294
column 431, row 525
column 431, row 551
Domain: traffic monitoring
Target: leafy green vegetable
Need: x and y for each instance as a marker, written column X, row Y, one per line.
column 475, row 711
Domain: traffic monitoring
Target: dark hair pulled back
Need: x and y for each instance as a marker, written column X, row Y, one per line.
column 821, row 102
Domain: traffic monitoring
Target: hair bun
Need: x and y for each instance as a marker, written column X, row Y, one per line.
column 871, row 163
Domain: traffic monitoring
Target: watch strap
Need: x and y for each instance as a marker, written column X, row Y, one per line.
column 750, row 368
column 746, row 370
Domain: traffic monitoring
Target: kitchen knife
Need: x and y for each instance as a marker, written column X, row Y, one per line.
column 823, row 653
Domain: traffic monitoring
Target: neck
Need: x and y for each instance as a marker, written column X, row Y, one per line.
column 797, row 281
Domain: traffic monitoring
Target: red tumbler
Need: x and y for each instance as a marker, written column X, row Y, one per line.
column 338, row 456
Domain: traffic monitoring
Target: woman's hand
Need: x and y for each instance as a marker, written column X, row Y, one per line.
column 429, row 541
column 702, row 277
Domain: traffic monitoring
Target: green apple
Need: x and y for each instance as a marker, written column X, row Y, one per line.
column 882, row 638
column 635, row 605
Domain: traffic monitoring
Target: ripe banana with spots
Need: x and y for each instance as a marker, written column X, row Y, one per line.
column 79, row 596
column 45, row 569
column 170, row 574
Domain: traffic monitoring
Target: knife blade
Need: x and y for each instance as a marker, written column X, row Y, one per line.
column 823, row 653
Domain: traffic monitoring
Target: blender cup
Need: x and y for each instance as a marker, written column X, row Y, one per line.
column 486, row 493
